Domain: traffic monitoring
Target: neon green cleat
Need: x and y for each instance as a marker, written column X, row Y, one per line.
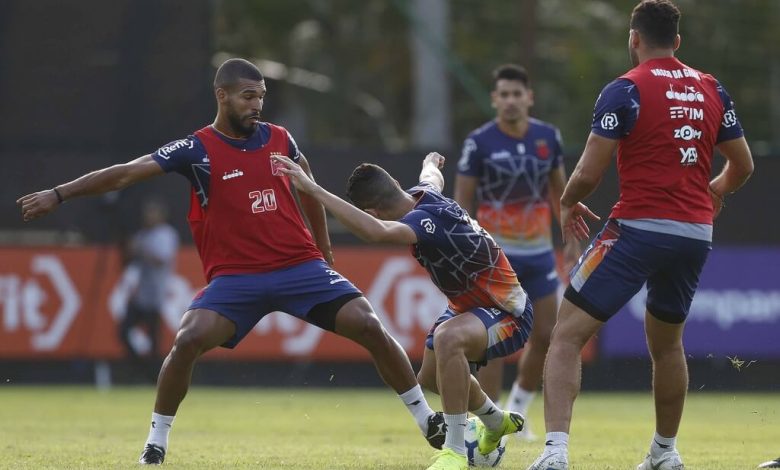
column 488, row 439
column 448, row 459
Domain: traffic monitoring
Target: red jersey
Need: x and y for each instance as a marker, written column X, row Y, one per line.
column 664, row 164
column 251, row 222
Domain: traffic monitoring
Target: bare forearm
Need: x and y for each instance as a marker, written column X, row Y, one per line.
column 97, row 182
column 433, row 175
column 730, row 179
column 577, row 189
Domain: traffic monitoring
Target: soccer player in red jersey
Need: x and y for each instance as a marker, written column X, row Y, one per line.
column 665, row 119
column 489, row 314
column 257, row 254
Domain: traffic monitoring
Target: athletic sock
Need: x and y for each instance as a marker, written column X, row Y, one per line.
column 158, row 432
column 661, row 445
column 415, row 402
column 519, row 399
column 490, row 414
column 456, row 428
column 555, row 441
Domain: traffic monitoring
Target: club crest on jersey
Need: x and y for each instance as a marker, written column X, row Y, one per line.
column 232, row 174
column 428, row 225
column 542, row 150
column 275, row 165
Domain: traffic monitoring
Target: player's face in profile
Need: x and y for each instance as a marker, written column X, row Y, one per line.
column 244, row 104
column 512, row 100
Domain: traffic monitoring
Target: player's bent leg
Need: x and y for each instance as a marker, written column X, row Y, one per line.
column 530, row 365
column 457, row 341
column 357, row 321
column 200, row 331
column 491, row 378
column 426, row 376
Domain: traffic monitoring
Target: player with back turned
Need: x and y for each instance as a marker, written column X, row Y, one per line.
column 665, row 119
column 257, row 254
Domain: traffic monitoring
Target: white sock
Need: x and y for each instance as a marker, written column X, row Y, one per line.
column 661, row 445
column 519, row 399
column 456, row 427
column 490, row 414
column 417, row 405
column 557, row 441
column 158, row 432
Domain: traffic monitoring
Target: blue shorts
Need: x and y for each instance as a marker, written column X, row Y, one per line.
column 246, row 298
column 621, row 259
column 506, row 334
column 536, row 273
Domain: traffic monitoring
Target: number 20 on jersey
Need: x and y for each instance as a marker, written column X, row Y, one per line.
column 263, row 201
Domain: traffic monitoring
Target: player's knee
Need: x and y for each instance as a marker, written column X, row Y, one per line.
column 448, row 340
column 189, row 342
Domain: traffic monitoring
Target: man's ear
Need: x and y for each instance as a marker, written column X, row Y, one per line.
column 221, row 95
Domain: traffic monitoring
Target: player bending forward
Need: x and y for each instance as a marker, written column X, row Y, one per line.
column 489, row 314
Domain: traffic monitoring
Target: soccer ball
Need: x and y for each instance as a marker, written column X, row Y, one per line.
column 476, row 459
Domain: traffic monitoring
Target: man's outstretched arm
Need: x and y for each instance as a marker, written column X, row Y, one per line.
column 358, row 222
column 96, row 182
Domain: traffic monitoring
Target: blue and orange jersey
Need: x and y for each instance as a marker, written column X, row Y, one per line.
column 513, row 191
column 463, row 260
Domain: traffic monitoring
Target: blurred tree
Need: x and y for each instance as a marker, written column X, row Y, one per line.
column 571, row 47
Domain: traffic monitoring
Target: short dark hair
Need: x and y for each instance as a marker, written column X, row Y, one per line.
column 510, row 72
column 371, row 187
column 233, row 70
column 657, row 21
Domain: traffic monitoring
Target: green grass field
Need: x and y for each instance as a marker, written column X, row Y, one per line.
column 75, row 427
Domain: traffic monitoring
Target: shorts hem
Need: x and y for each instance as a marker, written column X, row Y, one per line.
column 577, row 299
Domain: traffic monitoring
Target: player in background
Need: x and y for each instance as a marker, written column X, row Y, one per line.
column 511, row 178
column 665, row 119
column 489, row 314
column 257, row 254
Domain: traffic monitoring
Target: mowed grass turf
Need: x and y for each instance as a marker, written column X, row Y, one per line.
column 78, row 427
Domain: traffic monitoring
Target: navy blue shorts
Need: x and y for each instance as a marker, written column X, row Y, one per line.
column 246, row 298
column 506, row 334
column 536, row 273
column 621, row 259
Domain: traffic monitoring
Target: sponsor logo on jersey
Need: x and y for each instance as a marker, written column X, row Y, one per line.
column 166, row 151
column 232, row 174
column 689, row 94
column 428, row 225
column 729, row 118
column 689, row 156
column 682, row 112
column 501, row 155
column 609, row 121
column 521, row 148
column 687, row 133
